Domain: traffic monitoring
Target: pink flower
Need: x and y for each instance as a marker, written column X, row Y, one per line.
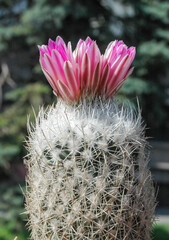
column 88, row 57
column 85, row 71
column 116, row 62
column 60, row 68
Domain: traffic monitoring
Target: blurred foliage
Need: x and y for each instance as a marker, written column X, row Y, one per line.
column 11, row 208
column 24, row 24
column 160, row 232
column 13, row 120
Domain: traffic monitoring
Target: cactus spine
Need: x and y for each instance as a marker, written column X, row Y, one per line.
column 87, row 174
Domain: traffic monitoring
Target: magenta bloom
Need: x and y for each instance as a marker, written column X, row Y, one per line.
column 85, row 71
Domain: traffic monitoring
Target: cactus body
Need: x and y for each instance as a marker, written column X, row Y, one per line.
column 87, row 174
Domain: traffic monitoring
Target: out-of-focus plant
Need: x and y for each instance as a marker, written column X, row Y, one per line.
column 12, row 220
column 13, row 121
column 161, row 231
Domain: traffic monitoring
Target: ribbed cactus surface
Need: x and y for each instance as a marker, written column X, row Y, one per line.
column 87, row 174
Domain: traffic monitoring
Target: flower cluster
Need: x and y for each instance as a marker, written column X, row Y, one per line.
column 85, row 71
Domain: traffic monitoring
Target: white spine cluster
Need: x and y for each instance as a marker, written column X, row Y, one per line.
column 87, row 174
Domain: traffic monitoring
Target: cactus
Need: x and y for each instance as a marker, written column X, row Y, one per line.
column 87, row 173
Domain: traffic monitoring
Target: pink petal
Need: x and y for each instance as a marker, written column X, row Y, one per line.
column 77, row 72
column 104, row 78
column 89, row 41
column 51, row 44
column 85, row 72
column 109, row 49
column 64, row 91
column 123, row 68
column 58, row 63
column 116, row 89
column 94, row 56
column 132, row 52
column 129, row 72
column 50, row 66
column 114, row 66
column 50, row 80
column 79, row 43
column 70, row 77
column 96, row 78
column 42, row 62
column 60, row 42
column 61, row 48
column 69, row 53
column 43, row 49
column 79, row 52
column 112, row 81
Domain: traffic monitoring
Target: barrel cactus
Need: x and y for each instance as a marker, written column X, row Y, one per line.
column 87, row 157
